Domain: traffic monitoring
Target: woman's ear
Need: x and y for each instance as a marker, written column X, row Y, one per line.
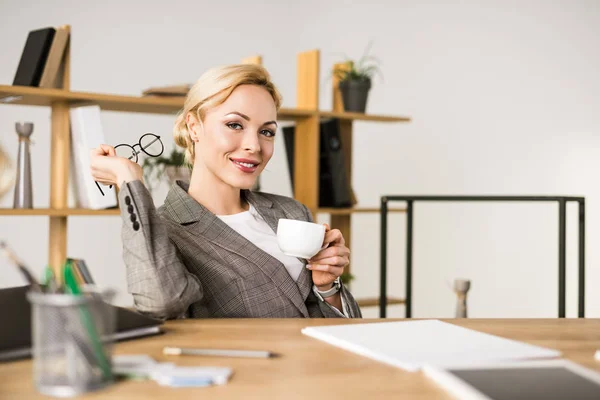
column 194, row 126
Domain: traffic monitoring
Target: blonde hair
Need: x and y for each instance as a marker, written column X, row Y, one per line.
column 211, row 90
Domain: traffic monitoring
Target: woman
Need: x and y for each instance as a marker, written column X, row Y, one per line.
column 211, row 249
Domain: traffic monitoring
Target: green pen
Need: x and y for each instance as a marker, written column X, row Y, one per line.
column 49, row 281
column 72, row 287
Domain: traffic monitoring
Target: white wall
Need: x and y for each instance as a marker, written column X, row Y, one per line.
column 504, row 99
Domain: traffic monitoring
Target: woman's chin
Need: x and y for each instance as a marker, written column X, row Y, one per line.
column 243, row 184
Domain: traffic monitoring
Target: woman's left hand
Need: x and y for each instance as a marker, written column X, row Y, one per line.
column 330, row 262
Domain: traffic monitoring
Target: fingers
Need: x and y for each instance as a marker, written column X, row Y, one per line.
column 104, row 150
column 339, row 251
column 334, row 236
column 335, row 261
column 332, row 269
column 102, row 177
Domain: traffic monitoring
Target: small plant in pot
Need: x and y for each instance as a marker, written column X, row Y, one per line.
column 173, row 165
column 355, row 80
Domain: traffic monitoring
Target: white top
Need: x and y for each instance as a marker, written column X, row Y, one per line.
column 253, row 227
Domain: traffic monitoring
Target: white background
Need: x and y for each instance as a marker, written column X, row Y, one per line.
column 504, row 97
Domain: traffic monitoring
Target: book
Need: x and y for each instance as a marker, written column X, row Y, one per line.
column 82, row 273
column 55, row 58
column 86, row 134
column 34, row 56
column 411, row 345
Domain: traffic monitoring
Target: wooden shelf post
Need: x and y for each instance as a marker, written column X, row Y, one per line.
column 306, row 137
column 252, row 60
column 59, row 170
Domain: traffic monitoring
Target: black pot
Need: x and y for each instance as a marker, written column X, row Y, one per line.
column 354, row 94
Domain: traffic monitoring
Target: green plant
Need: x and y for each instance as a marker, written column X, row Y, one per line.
column 346, row 277
column 154, row 167
column 362, row 70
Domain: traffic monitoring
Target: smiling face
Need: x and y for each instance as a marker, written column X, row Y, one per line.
column 235, row 140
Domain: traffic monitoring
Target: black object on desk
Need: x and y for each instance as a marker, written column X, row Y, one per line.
column 15, row 317
column 562, row 239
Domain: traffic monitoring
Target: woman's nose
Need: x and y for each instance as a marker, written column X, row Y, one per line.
column 251, row 143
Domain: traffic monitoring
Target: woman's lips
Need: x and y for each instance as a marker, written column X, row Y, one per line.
column 245, row 165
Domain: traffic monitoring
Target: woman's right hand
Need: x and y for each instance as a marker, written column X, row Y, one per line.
column 109, row 169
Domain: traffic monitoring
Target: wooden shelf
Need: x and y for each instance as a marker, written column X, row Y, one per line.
column 362, row 117
column 82, row 211
column 354, row 210
column 374, row 301
column 56, row 212
column 33, row 96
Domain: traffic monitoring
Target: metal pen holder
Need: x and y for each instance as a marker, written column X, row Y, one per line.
column 72, row 343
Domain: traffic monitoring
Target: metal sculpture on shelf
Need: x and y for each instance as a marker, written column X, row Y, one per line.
column 461, row 287
column 23, row 189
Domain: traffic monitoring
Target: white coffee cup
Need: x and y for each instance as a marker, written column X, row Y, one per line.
column 300, row 238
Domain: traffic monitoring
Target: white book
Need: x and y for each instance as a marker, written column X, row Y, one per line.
column 410, row 345
column 86, row 134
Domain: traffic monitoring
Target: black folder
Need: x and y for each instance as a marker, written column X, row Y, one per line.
column 15, row 319
column 34, row 56
column 334, row 186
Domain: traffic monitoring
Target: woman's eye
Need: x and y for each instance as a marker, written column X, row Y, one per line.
column 234, row 125
column 268, row 133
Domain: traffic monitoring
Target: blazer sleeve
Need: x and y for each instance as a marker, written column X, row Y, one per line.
column 350, row 305
column 160, row 283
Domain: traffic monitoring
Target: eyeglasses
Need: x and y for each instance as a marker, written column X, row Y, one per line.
column 149, row 143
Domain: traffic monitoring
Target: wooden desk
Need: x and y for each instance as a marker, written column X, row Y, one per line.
column 308, row 368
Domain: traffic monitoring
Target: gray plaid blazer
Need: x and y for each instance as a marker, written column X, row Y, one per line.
column 183, row 261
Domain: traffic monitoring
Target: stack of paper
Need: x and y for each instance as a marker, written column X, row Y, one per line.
column 168, row 374
column 412, row 344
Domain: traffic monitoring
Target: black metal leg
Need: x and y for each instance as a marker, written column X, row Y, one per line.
column 409, row 248
column 582, row 259
column 562, row 238
column 383, row 260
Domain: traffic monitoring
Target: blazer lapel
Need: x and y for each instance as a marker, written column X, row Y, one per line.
column 185, row 210
column 272, row 215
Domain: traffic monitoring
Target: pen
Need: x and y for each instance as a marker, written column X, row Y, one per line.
column 22, row 268
column 176, row 351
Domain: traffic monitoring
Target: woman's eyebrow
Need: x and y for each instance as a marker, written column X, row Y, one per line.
column 247, row 118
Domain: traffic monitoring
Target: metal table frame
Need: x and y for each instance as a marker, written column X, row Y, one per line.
column 562, row 216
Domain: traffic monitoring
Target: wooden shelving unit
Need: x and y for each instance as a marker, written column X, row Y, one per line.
column 374, row 301
column 113, row 211
column 354, row 210
column 306, row 116
column 49, row 212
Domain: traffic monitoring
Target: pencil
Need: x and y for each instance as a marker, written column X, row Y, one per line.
column 176, row 351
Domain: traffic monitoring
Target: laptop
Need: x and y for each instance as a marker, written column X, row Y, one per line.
column 15, row 330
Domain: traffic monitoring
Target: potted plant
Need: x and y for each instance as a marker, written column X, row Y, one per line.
column 355, row 79
column 346, row 277
column 174, row 165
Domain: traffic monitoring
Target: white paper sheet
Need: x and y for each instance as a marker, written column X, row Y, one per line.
column 412, row 344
